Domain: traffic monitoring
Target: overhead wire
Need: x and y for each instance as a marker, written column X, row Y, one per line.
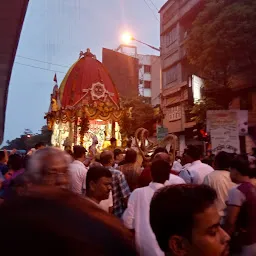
column 153, row 12
column 42, row 61
column 154, row 5
column 46, row 69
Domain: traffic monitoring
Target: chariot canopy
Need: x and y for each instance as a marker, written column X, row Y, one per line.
column 85, row 105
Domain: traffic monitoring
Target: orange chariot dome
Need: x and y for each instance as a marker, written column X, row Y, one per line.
column 88, row 81
column 86, row 91
column 86, row 100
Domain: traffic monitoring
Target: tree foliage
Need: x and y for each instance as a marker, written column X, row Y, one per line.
column 138, row 113
column 200, row 109
column 222, row 43
column 28, row 140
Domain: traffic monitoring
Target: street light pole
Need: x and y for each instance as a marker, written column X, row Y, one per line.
column 152, row 47
column 127, row 38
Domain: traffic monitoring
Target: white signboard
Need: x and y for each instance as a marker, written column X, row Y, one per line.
column 197, row 84
column 224, row 130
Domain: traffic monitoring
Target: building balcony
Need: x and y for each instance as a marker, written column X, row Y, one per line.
column 177, row 11
column 170, row 58
column 186, row 6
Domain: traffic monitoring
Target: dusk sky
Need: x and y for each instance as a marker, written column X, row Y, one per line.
column 55, row 31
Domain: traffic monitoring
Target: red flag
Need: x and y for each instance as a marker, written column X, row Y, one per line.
column 55, row 78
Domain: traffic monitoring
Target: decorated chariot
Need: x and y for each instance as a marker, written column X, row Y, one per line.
column 85, row 106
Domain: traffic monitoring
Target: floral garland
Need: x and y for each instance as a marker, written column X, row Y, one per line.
column 84, row 128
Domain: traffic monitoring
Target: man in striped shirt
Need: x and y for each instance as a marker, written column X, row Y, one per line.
column 120, row 188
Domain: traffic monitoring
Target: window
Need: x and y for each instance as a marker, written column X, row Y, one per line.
column 171, row 36
column 171, row 75
column 147, row 69
column 147, row 84
column 169, row 13
column 174, row 113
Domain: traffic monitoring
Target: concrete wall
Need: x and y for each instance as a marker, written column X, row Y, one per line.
column 123, row 70
column 155, row 80
column 119, row 77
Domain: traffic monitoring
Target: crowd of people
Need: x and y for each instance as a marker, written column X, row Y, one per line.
column 88, row 203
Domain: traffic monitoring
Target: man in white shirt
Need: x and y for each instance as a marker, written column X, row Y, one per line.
column 197, row 171
column 173, row 179
column 98, row 186
column 78, row 171
column 136, row 216
column 176, row 166
column 220, row 180
column 107, row 205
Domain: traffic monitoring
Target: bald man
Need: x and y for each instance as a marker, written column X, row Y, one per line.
column 162, row 156
column 173, row 179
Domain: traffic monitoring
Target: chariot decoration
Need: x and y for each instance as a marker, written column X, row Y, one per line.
column 146, row 145
column 85, row 105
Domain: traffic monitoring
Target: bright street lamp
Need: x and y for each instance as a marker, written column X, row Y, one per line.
column 127, row 38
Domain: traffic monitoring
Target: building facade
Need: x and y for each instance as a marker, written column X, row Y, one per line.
column 150, row 77
column 176, row 18
column 180, row 86
column 123, row 70
column 148, row 72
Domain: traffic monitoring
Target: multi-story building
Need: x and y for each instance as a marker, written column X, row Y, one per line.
column 179, row 82
column 148, row 72
column 176, row 18
column 150, row 77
